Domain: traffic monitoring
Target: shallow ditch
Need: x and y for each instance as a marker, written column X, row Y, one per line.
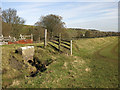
column 17, row 63
column 41, row 67
column 36, row 62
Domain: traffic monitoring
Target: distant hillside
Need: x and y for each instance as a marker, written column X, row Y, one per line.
column 67, row 33
column 7, row 29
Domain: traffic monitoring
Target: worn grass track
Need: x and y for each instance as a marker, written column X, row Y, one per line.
column 105, row 65
column 109, row 52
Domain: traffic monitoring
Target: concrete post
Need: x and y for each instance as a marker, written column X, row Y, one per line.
column 32, row 37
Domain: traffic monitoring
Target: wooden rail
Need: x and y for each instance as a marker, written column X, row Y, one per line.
column 67, row 44
column 57, row 40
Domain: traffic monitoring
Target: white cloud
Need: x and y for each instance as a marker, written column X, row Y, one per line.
column 103, row 25
column 94, row 9
column 105, row 19
column 30, row 11
column 87, row 15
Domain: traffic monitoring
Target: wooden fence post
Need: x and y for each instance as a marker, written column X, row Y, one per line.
column 32, row 37
column 71, row 47
column 59, row 41
column 45, row 41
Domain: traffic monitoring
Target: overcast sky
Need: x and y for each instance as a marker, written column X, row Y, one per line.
column 94, row 15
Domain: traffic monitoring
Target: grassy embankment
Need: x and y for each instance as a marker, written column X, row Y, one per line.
column 93, row 64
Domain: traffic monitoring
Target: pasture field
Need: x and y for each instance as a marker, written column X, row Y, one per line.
column 94, row 64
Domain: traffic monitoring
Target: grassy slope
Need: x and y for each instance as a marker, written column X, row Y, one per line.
column 84, row 69
column 100, row 53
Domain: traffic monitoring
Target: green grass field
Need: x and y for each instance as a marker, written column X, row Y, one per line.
column 94, row 64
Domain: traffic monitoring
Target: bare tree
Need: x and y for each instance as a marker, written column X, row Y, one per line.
column 10, row 16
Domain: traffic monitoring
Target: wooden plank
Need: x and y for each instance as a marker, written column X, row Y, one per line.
column 65, row 47
column 65, row 43
column 55, row 48
column 54, row 42
column 55, row 39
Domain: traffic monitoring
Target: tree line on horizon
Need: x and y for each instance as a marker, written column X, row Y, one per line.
column 14, row 25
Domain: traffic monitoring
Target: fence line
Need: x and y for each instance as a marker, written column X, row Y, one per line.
column 22, row 37
column 13, row 39
column 57, row 40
